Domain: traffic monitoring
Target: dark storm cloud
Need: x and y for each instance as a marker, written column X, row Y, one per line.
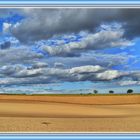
column 45, row 23
column 6, row 12
column 130, row 19
column 5, row 45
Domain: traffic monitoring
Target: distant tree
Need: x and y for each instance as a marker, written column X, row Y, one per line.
column 111, row 91
column 129, row 91
column 95, row 91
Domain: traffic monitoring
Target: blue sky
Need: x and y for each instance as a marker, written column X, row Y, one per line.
column 69, row 50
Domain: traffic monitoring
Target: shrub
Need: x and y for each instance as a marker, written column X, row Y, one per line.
column 111, row 91
column 95, row 91
column 129, row 91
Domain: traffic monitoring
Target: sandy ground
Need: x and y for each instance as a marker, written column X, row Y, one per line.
column 32, row 114
column 75, row 99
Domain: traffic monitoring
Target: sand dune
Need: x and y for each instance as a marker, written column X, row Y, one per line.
column 51, row 113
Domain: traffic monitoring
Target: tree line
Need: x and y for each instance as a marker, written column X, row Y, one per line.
column 112, row 91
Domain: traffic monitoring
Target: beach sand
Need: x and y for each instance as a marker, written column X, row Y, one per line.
column 27, row 113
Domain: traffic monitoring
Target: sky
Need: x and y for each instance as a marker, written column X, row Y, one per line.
column 71, row 50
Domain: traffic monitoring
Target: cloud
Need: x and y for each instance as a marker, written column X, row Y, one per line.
column 86, row 69
column 37, row 65
column 14, row 74
column 104, row 60
column 6, row 27
column 58, row 65
column 129, row 82
column 6, row 12
column 11, row 69
column 45, row 23
column 28, row 73
column 18, row 55
column 109, row 75
column 5, row 45
column 103, row 39
column 135, row 75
